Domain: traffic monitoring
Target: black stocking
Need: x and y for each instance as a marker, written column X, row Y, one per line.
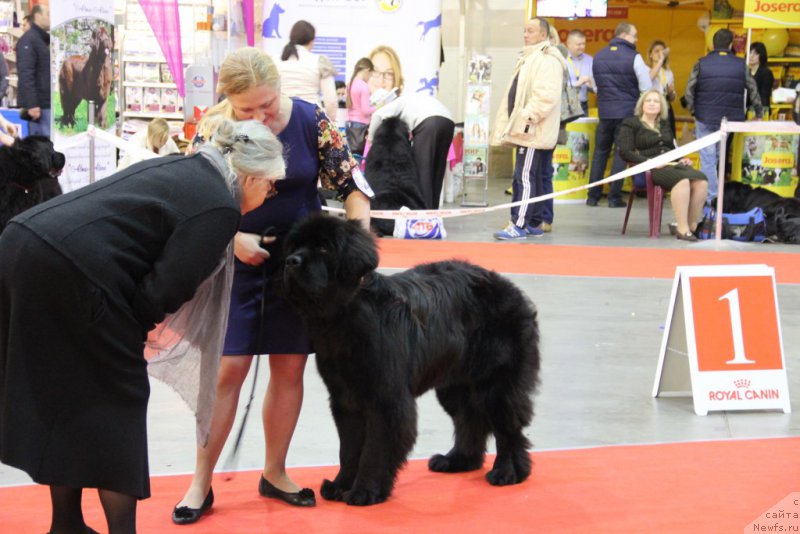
column 67, row 513
column 120, row 511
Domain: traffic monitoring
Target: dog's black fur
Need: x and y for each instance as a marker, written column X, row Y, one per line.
column 28, row 175
column 392, row 173
column 741, row 198
column 382, row 340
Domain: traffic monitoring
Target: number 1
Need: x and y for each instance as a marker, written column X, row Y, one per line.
column 736, row 328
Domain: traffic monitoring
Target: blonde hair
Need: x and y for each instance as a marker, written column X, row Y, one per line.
column 640, row 105
column 211, row 121
column 555, row 40
column 245, row 68
column 394, row 61
column 157, row 133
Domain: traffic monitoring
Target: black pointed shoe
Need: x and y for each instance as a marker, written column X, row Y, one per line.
column 304, row 497
column 184, row 515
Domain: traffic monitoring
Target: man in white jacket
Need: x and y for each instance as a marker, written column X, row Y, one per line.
column 529, row 119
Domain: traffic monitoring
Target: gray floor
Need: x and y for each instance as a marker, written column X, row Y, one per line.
column 600, row 337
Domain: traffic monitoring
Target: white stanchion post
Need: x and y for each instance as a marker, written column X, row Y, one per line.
column 723, row 145
column 90, row 118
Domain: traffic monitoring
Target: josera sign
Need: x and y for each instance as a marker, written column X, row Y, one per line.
column 771, row 14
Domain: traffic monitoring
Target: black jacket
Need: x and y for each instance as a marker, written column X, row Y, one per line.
column 33, row 69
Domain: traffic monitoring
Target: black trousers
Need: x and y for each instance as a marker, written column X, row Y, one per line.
column 432, row 138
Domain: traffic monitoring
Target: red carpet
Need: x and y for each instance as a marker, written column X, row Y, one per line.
column 566, row 260
column 708, row 487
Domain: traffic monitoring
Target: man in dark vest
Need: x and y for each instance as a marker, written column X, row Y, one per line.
column 620, row 76
column 716, row 89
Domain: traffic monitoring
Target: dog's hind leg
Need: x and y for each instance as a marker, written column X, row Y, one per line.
column 391, row 431
column 471, row 430
column 350, row 426
column 510, row 410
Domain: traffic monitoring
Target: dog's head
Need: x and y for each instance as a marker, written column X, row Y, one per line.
column 28, row 175
column 30, row 159
column 102, row 42
column 326, row 261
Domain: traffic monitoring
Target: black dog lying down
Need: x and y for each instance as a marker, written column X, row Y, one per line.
column 382, row 340
column 28, row 175
column 781, row 214
column 392, row 173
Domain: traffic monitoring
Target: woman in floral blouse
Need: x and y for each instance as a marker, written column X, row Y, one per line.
column 314, row 151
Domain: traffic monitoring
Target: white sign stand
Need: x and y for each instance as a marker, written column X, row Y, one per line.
column 722, row 341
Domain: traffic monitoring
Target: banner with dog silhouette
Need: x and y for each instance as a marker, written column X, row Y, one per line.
column 82, row 48
column 347, row 31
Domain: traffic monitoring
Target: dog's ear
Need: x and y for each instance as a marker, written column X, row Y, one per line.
column 360, row 255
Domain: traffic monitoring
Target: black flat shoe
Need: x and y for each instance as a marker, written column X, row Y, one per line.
column 304, row 497
column 185, row 515
column 688, row 236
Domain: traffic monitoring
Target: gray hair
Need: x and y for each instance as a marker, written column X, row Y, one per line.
column 250, row 149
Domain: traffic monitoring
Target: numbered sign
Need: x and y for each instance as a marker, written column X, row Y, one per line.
column 722, row 341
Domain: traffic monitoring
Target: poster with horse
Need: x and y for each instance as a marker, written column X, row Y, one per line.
column 82, row 53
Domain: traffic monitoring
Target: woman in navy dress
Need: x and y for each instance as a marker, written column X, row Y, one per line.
column 314, row 152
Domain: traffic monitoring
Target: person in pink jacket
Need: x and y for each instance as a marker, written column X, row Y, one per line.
column 359, row 109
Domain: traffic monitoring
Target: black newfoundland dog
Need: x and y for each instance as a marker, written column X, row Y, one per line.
column 28, row 175
column 781, row 214
column 382, row 340
column 392, row 173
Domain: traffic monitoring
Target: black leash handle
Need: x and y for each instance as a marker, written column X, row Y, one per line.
column 230, row 463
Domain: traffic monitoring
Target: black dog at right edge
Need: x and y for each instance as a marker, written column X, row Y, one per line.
column 381, row 341
column 781, row 214
column 29, row 172
column 392, row 173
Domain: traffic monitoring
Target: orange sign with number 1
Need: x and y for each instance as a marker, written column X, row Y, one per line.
column 723, row 328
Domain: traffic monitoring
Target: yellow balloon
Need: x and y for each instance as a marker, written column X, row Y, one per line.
column 738, row 5
column 775, row 40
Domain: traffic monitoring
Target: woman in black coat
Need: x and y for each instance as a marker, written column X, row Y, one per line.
column 646, row 135
column 757, row 62
column 83, row 278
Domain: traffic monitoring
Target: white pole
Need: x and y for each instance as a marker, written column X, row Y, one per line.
column 91, row 142
column 723, row 142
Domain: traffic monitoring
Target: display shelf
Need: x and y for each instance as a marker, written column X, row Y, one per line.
column 160, row 85
column 783, row 60
column 152, row 115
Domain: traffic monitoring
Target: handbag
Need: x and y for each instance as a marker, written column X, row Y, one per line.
column 748, row 226
column 356, row 133
column 571, row 108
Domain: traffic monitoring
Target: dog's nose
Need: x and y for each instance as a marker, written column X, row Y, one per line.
column 294, row 260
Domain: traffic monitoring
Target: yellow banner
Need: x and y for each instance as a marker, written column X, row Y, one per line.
column 771, row 14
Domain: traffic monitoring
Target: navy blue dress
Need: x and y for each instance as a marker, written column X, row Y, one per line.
column 313, row 150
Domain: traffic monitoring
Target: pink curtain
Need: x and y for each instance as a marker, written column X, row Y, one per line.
column 248, row 15
column 164, row 20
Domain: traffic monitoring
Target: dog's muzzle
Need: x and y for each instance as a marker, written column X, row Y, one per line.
column 293, row 261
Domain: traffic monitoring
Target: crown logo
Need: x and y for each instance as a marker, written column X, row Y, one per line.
column 741, row 383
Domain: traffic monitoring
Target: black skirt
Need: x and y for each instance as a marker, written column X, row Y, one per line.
column 73, row 379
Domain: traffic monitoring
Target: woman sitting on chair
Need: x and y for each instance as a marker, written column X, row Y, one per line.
column 648, row 134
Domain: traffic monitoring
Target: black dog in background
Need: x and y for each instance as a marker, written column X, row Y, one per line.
column 29, row 172
column 781, row 214
column 392, row 173
column 383, row 340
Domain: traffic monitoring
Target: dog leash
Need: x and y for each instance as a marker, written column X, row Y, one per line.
column 230, row 463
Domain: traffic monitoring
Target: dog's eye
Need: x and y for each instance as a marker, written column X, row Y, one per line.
column 323, row 250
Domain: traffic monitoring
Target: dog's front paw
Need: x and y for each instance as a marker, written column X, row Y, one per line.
column 330, row 491
column 454, row 463
column 504, row 476
column 363, row 497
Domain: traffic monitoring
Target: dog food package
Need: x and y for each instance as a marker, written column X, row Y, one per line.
column 133, row 99
column 166, row 75
column 431, row 228
column 133, row 71
column 151, row 73
column 152, row 100
column 169, row 101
